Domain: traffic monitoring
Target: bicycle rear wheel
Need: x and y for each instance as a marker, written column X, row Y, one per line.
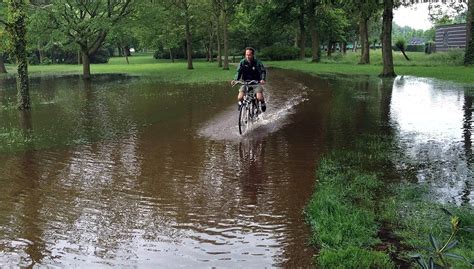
column 244, row 119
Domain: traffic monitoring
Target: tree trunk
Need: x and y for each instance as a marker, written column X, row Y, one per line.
column 329, row 52
column 189, row 47
column 120, row 50
column 404, row 55
column 315, row 44
column 469, row 55
column 302, row 33
column 364, row 40
column 86, row 66
column 354, row 48
column 211, row 51
column 126, row 53
column 3, row 69
column 171, row 55
column 226, row 41
column 344, row 47
column 17, row 30
column 387, row 56
column 315, row 47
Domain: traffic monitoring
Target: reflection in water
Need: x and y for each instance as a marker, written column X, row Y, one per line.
column 431, row 120
column 141, row 174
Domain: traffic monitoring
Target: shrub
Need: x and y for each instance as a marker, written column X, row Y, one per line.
column 100, row 57
column 279, row 52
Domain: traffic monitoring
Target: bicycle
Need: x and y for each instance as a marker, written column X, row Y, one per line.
column 249, row 109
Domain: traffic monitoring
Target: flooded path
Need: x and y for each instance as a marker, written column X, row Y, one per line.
column 125, row 172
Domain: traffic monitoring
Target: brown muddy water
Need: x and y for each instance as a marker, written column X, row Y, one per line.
column 128, row 172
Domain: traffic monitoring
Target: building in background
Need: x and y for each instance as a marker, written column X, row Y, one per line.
column 450, row 37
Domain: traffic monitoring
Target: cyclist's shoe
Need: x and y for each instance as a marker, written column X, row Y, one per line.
column 264, row 106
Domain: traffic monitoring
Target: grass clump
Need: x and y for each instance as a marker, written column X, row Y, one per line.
column 353, row 257
column 343, row 209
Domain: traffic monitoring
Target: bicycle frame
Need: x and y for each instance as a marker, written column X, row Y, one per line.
column 249, row 110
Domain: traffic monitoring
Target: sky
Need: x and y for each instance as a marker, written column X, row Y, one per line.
column 416, row 16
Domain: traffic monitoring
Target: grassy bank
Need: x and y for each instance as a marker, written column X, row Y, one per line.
column 445, row 66
column 358, row 222
column 144, row 65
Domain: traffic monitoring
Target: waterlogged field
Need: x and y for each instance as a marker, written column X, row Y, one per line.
column 128, row 170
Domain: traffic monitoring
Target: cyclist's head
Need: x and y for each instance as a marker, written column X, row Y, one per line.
column 249, row 53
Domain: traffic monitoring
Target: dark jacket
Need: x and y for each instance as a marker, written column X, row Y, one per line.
column 251, row 71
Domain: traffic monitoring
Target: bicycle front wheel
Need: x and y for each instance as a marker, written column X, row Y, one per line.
column 244, row 119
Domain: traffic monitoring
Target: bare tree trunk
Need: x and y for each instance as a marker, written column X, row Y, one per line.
column 302, row 33
column 364, row 39
column 344, row 47
column 126, row 53
column 315, row 44
column 387, row 56
column 3, row 69
column 86, row 66
column 219, row 49
column 171, row 55
column 329, row 52
column 354, row 48
column 226, row 41
column 189, row 49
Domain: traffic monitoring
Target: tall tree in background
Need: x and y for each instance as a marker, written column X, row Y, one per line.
column 387, row 56
column 3, row 38
column 227, row 9
column 315, row 41
column 469, row 55
column 16, row 29
column 216, row 14
column 185, row 8
column 365, row 10
column 87, row 23
column 301, row 39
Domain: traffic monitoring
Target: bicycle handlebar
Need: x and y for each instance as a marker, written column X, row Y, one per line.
column 248, row 82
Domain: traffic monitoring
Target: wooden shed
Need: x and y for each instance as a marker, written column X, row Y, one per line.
column 450, row 36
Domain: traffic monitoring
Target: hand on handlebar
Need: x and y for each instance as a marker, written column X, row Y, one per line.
column 262, row 82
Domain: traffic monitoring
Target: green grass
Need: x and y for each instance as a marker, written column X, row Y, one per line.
column 343, row 210
column 445, row 66
column 352, row 201
column 144, row 65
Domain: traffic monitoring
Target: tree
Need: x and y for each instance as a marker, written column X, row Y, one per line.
column 185, row 7
column 315, row 41
column 3, row 38
column 87, row 23
column 3, row 69
column 16, row 29
column 387, row 56
column 227, row 8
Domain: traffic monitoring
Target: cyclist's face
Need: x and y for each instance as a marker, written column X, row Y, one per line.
column 249, row 55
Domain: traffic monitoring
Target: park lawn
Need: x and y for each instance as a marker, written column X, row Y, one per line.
column 460, row 74
column 445, row 66
column 143, row 65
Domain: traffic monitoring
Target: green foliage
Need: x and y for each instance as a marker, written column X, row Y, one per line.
column 279, row 52
column 439, row 252
column 354, row 257
column 422, row 225
column 401, row 44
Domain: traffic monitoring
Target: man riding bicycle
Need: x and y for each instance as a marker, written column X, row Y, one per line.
column 251, row 69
